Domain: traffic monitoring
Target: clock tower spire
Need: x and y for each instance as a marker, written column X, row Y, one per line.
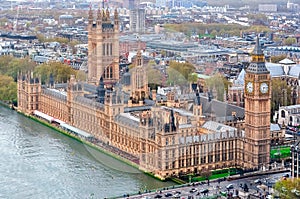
column 257, row 111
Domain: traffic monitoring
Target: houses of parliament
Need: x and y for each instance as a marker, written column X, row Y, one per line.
column 182, row 134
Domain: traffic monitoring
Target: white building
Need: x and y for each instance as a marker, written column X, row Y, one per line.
column 288, row 115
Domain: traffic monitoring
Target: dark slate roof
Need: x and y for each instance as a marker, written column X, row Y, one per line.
column 294, row 71
column 149, row 102
column 127, row 120
column 55, row 93
column 61, row 86
column 276, row 70
column 90, row 88
column 88, row 102
column 220, row 110
column 137, row 108
column 257, row 68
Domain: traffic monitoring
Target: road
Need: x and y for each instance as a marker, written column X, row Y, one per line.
column 259, row 185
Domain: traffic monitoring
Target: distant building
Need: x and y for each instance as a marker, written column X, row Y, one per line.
column 288, row 115
column 137, row 20
column 161, row 3
column 267, row 8
column 66, row 19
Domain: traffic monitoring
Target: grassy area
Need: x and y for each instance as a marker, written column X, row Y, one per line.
column 220, row 173
column 282, row 152
column 212, row 177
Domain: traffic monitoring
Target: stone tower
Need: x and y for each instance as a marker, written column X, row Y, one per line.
column 139, row 82
column 257, row 112
column 103, row 47
column 29, row 91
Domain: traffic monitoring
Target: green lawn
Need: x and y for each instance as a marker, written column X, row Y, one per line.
column 282, row 152
column 212, row 177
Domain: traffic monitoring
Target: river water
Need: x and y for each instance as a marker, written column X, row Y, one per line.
column 38, row 162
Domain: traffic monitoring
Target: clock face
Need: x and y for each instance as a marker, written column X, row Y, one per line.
column 264, row 87
column 249, row 87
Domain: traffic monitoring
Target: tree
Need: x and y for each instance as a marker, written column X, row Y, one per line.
column 8, row 88
column 61, row 72
column 154, row 77
column 17, row 65
column 4, row 63
column 281, row 94
column 179, row 73
column 278, row 58
column 193, row 77
column 288, row 188
column 289, row 41
column 185, row 69
column 11, row 66
column 219, row 84
column 81, row 75
column 175, row 78
column 206, row 174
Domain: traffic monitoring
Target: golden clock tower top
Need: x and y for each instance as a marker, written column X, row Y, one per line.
column 257, row 66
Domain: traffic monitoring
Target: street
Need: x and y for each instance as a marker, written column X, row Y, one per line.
column 257, row 185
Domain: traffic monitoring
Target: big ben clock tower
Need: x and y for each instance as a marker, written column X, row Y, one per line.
column 257, row 112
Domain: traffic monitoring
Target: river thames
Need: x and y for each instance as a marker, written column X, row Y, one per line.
column 38, row 162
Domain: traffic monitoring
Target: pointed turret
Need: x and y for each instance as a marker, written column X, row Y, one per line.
column 99, row 19
column 257, row 65
column 107, row 15
column 103, row 15
column 91, row 17
column 116, row 20
column 257, row 49
column 116, row 14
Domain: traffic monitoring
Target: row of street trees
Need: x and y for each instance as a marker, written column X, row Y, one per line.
column 10, row 67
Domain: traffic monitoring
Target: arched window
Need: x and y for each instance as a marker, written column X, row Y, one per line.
column 110, row 72
column 111, row 49
column 283, row 114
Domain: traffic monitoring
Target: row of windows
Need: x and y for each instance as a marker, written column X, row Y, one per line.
column 202, row 160
column 107, row 49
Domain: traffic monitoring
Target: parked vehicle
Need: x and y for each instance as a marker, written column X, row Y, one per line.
column 230, row 186
column 204, row 191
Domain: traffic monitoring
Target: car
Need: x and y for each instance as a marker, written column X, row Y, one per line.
column 257, row 181
column 286, row 175
column 193, row 190
column 146, row 197
column 204, row 191
column 176, row 195
column 230, row 186
column 168, row 195
column 158, row 196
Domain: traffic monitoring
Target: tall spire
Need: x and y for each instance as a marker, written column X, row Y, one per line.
column 257, row 65
column 99, row 14
column 116, row 15
column 257, row 49
column 91, row 17
column 107, row 15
